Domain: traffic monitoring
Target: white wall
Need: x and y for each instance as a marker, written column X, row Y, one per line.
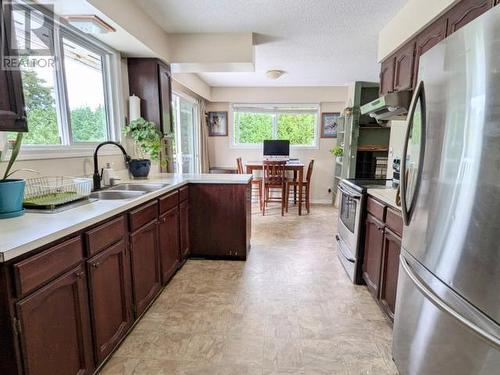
column 396, row 143
column 330, row 99
column 412, row 18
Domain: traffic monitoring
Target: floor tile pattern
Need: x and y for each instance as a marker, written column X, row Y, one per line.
column 289, row 309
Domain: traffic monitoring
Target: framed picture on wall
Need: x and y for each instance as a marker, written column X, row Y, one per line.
column 217, row 124
column 329, row 124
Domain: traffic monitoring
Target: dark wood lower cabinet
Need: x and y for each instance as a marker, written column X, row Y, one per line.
column 66, row 307
column 374, row 237
column 54, row 327
column 169, row 243
column 184, row 230
column 110, row 298
column 221, row 227
column 381, row 254
column 390, row 270
column 145, row 261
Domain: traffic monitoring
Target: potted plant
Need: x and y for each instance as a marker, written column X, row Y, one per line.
column 147, row 139
column 338, row 152
column 11, row 190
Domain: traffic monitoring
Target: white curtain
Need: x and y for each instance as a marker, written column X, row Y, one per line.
column 204, row 156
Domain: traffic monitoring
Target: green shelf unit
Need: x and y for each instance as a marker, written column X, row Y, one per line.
column 358, row 131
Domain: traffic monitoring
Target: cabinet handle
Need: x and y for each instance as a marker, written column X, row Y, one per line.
column 164, row 220
column 95, row 264
column 79, row 274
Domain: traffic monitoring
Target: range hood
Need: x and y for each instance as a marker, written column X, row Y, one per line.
column 392, row 106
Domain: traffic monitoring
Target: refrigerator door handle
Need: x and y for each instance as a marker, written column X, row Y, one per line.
column 407, row 207
column 492, row 340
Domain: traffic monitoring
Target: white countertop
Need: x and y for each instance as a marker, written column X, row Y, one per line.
column 30, row 231
column 388, row 196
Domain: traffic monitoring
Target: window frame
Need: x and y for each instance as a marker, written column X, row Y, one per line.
column 275, row 109
column 177, row 131
column 113, row 96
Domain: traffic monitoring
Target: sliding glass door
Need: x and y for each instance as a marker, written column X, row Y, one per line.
column 186, row 119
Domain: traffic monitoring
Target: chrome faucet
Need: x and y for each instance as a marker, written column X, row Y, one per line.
column 97, row 176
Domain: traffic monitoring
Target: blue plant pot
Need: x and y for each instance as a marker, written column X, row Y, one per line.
column 11, row 198
column 139, row 167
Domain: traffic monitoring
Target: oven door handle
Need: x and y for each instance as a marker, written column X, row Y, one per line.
column 341, row 249
column 349, row 193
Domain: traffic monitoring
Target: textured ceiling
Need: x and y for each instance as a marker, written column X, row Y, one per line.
column 317, row 42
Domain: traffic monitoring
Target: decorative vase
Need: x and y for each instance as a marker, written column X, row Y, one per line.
column 11, row 198
column 139, row 167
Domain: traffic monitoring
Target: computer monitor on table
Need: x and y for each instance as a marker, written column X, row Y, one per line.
column 278, row 149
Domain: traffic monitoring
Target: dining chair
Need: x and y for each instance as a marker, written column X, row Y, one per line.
column 256, row 181
column 274, row 178
column 306, row 186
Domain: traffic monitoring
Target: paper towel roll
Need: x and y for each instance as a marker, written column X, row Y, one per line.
column 134, row 107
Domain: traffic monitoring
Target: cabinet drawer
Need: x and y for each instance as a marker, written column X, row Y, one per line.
column 183, row 193
column 376, row 208
column 37, row 270
column 394, row 221
column 168, row 202
column 143, row 215
column 105, row 235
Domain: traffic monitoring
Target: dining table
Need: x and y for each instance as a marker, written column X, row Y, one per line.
column 296, row 166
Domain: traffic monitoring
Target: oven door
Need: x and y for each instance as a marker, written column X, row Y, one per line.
column 349, row 218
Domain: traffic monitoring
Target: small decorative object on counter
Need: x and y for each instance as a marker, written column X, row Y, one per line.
column 11, row 190
column 147, row 141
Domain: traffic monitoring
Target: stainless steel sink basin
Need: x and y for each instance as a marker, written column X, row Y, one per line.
column 116, row 194
column 138, row 187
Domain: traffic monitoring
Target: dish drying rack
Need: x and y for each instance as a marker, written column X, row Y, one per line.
column 51, row 192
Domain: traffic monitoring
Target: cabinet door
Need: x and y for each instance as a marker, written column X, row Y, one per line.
column 184, row 229
column 427, row 39
column 374, row 237
column 387, row 76
column 169, row 243
column 466, row 11
column 110, row 298
column 12, row 111
column 403, row 67
column 390, row 268
column 144, row 253
column 54, row 327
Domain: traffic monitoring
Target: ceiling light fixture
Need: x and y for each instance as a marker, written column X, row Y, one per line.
column 90, row 24
column 274, row 74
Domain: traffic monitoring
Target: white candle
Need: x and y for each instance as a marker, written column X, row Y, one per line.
column 134, row 107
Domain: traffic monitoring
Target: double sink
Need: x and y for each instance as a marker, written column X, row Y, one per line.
column 126, row 191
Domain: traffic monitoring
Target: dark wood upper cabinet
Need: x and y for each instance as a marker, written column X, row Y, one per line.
column 390, row 270
column 150, row 79
column 169, row 243
column 110, row 298
column 12, row 109
column 403, row 67
column 54, row 327
column 387, row 75
column 466, row 11
column 145, row 260
column 427, row 39
column 374, row 237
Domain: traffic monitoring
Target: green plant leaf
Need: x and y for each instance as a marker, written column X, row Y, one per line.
column 13, row 156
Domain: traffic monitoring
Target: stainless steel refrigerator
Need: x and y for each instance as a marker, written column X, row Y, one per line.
column 448, row 301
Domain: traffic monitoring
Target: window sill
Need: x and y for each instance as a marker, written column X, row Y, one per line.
column 61, row 152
